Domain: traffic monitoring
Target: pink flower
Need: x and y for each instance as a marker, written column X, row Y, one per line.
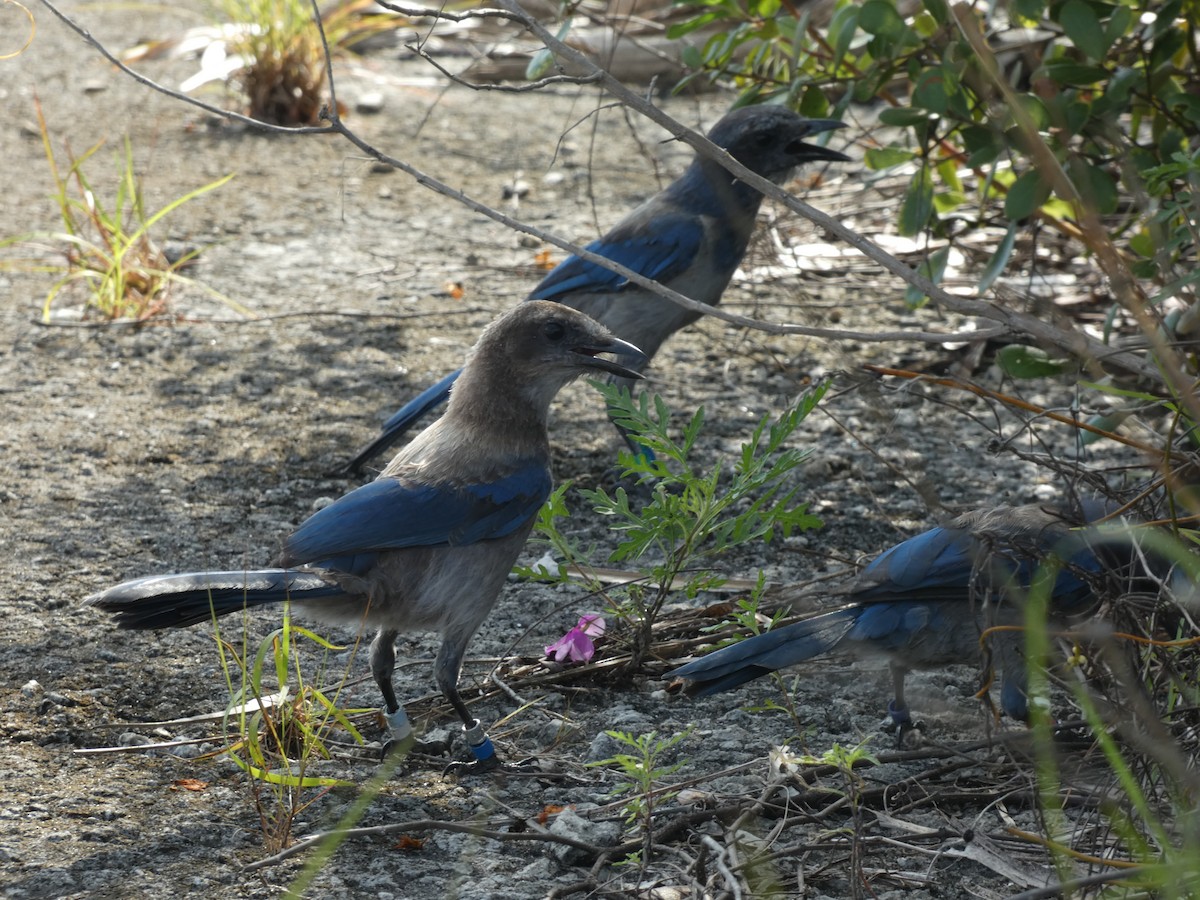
column 576, row 645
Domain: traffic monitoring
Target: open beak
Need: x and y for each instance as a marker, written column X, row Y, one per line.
column 616, row 346
column 811, row 152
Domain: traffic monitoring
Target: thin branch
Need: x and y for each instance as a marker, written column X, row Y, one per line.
column 1075, row 342
column 502, row 88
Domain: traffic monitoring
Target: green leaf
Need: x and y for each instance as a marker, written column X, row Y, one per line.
column 946, row 202
column 939, row 10
column 983, row 145
column 1083, row 28
column 540, row 62
column 879, row 17
column 1026, row 196
column 690, row 56
column 814, row 104
column 1096, row 187
column 1069, row 72
column 1115, row 99
column 1035, row 109
column 930, row 92
column 885, row 157
column 842, row 28
column 680, row 29
column 917, row 206
column 932, row 267
column 1029, row 10
column 1118, row 24
column 1020, row 361
column 1000, row 258
column 903, row 116
column 1143, row 244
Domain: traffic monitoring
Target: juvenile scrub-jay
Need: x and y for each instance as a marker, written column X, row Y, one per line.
column 428, row 544
column 690, row 237
column 926, row 602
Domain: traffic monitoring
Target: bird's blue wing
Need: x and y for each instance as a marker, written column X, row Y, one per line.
column 939, row 558
column 942, row 562
column 390, row 514
column 659, row 251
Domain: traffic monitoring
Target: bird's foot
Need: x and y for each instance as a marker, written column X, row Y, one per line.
column 909, row 734
column 484, row 759
column 494, row 765
column 399, row 740
column 483, row 753
column 459, row 768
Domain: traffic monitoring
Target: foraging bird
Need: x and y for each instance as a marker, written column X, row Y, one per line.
column 927, row 601
column 691, row 237
column 428, row 544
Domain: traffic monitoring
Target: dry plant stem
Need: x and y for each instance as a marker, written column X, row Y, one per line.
column 1010, row 323
column 1069, row 888
column 1017, row 403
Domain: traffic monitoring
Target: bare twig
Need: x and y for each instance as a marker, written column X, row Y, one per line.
column 1018, row 323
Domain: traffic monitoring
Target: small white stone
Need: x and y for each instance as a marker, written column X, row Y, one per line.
column 369, row 104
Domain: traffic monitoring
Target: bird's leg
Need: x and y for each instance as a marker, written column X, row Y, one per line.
column 399, row 737
column 399, row 734
column 446, row 671
column 908, row 732
column 897, row 707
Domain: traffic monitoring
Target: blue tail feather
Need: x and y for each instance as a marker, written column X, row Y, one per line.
column 173, row 601
column 776, row 649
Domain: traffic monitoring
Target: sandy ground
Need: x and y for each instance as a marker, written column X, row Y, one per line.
column 199, row 444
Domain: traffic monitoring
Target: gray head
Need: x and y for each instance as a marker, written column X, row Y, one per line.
column 769, row 140
column 535, row 349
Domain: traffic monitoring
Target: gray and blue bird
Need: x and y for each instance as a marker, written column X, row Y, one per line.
column 927, row 601
column 690, row 237
column 428, row 544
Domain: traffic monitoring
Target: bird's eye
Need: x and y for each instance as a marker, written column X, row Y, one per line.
column 554, row 330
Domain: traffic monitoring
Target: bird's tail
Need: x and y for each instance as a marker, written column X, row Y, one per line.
column 404, row 418
column 776, row 649
column 172, row 601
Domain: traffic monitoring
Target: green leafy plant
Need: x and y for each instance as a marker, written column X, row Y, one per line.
column 747, row 615
column 273, row 50
column 281, row 716
column 691, row 518
column 643, row 771
column 1104, row 96
column 107, row 246
column 282, row 71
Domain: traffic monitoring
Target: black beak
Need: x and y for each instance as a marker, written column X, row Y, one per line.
column 811, row 152
column 622, row 348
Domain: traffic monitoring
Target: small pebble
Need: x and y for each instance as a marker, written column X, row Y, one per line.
column 369, row 104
